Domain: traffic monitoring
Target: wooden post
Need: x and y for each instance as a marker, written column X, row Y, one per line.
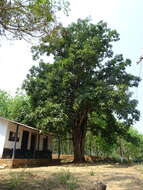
column 38, row 145
column 35, row 147
column 15, row 141
column 59, row 146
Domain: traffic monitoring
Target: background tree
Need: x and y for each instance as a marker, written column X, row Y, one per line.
column 22, row 18
column 130, row 145
column 4, row 104
column 85, row 81
column 16, row 108
column 20, row 109
column 127, row 147
column 96, row 145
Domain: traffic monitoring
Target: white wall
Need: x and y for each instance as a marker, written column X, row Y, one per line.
column 10, row 144
column 3, row 131
column 12, row 127
column 49, row 142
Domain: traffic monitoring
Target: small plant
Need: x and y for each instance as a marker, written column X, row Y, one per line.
column 66, row 178
column 15, row 180
column 92, row 173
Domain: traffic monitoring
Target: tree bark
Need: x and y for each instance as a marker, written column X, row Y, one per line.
column 78, row 137
column 78, row 145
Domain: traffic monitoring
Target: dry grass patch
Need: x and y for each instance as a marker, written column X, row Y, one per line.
column 70, row 177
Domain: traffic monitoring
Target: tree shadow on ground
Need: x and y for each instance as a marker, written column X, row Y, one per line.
column 107, row 164
column 119, row 165
column 3, row 186
column 125, row 181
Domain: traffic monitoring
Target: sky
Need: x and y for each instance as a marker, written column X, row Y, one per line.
column 123, row 15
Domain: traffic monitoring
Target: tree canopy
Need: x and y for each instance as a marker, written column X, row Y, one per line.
column 86, row 87
column 21, row 18
column 16, row 108
column 4, row 104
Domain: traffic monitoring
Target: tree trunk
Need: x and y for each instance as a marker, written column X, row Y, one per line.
column 90, row 147
column 121, row 151
column 78, row 144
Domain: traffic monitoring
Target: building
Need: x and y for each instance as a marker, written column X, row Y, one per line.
column 19, row 141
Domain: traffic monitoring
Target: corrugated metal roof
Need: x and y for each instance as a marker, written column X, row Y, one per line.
column 17, row 123
column 23, row 125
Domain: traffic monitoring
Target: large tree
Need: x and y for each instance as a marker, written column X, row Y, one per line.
column 85, row 81
column 22, row 18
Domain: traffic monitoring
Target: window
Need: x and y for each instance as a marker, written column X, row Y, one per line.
column 12, row 136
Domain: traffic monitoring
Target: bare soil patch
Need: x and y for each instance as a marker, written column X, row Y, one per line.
column 81, row 177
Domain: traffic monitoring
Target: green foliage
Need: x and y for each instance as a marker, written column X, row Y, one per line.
column 4, row 104
column 22, row 18
column 51, row 115
column 132, row 145
column 98, row 145
column 128, row 146
column 86, row 83
column 16, row 108
column 20, row 109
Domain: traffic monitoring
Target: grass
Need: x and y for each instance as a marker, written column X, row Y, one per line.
column 67, row 179
column 22, row 180
column 72, row 177
column 16, row 179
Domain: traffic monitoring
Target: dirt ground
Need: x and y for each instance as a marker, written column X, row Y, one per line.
column 115, row 176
